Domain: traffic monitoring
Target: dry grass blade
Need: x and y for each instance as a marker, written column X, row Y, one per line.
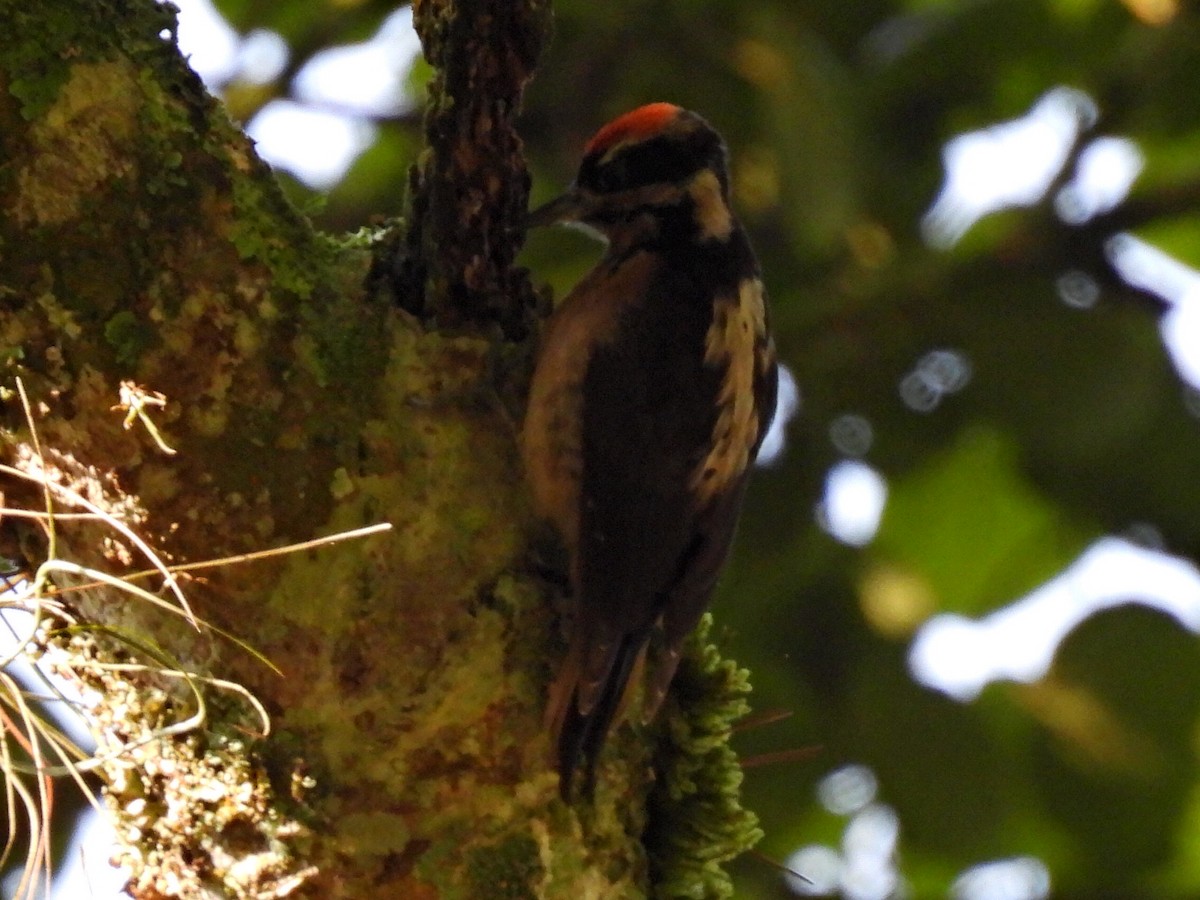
column 313, row 544
column 798, row 754
column 38, row 514
column 76, row 499
column 780, row 867
column 21, row 601
column 36, row 730
column 33, row 750
column 37, row 807
column 762, row 719
column 98, row 577
column 219, row 683
column 47, row 500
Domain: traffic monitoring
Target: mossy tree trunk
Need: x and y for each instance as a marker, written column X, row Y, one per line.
column 312, row 385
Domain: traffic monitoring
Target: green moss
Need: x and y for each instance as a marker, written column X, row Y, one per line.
column 377, row 833
column 42, row 46
column 442, row 858
column 349, row 345
column 697, row 821
column 368, row 237
column 508, row 870
column 168, row 132
column 268, row 230
column 127, row 336
column 79, row 139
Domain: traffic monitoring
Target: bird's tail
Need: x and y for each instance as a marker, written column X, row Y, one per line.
column 580, row 718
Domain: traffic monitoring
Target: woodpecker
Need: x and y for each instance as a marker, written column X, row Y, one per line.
column 654, row 386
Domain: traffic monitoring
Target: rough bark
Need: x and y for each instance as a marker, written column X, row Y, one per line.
column 142, row 241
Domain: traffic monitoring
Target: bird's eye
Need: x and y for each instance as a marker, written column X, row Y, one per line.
column 613, row 175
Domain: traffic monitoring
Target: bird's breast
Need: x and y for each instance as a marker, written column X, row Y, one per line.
column 552, row 437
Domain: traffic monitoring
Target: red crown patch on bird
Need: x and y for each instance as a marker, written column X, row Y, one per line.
column 639, row 123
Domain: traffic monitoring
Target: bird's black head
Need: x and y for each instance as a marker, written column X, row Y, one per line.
column 654, row 162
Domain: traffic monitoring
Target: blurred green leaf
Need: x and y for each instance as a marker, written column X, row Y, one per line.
column 973, row 527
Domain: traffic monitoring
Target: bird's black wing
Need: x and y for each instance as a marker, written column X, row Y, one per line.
column 649, row 410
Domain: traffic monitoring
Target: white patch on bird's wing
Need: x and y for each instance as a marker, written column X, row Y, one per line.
column 712, row 212
column 737, row 339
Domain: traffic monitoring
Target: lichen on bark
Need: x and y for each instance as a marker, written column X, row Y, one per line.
column 143, row 240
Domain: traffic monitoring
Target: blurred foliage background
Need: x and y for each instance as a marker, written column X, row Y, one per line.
column 998, row 681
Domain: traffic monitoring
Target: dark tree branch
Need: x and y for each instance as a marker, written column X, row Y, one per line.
column 470, row 191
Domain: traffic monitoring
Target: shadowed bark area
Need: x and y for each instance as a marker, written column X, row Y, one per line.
column 469, row 191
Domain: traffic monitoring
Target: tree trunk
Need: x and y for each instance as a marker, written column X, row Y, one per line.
column 312, row 385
